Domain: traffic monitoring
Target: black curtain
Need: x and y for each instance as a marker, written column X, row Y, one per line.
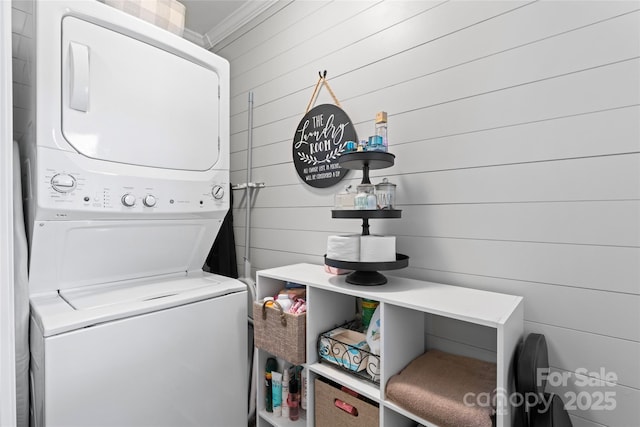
column 222, row 256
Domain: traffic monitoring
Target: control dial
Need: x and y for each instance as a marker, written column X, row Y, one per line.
column 217, row 192
column 63, row 183
column 129, row 200
column 149, row 201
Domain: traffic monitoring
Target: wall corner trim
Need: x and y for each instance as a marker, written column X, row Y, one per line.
column 237, row 19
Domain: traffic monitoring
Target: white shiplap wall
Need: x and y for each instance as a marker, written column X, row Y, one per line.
column 22, row 33
column 516, row 130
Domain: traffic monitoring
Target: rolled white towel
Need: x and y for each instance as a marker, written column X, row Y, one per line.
column 344, row 248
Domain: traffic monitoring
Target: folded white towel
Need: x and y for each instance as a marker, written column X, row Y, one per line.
column 344, row 248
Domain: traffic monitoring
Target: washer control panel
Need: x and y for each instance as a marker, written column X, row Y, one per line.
column 70, row 193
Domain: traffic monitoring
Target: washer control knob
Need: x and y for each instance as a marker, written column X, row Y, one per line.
column 129, row 200
column 149, row 201
column 63, row 183
column 217, row 192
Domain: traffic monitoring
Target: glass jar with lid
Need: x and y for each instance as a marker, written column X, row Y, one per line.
column 386, row 194
column 345, row 199
column 365, row 197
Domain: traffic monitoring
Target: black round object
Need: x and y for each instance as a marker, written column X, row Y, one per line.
column 364, row 213
column 366, row 273
column 532, row 365
column 366, row 278
column 400, row 262
column 371, row 159
column 320, row 139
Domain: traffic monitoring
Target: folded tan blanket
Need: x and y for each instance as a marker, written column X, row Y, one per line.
column 433, row 386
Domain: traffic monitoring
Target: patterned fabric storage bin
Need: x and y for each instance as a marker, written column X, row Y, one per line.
column 167, row 14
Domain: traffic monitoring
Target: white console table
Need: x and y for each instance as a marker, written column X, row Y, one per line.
column 415, row 316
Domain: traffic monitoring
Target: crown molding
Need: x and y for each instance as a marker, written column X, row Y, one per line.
column 241, row 16
column 193, row 37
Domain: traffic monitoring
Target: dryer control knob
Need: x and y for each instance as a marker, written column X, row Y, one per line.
column 63, row 183
column 217, row 192
column 149, row 201
column 129, row 200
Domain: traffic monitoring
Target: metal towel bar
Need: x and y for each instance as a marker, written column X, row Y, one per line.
column 247, row 185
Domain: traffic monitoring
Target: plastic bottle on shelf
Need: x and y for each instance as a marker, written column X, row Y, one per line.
column 285, row 302
column 271, row 365
column 285, row 393
column 294, row 400
column 268, row 403
column 303, row 388
column 368, row 308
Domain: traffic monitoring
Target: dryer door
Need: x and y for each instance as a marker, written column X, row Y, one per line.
column 130, row 102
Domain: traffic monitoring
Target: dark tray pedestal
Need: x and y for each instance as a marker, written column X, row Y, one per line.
column 366, row 273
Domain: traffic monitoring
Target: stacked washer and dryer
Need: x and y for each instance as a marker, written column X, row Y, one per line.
column 126, row 178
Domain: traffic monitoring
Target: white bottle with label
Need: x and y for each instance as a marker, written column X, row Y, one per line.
column 285, row 393
column 285, row 302
column 303, row 386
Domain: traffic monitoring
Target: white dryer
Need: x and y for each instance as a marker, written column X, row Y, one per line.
column 126, row 176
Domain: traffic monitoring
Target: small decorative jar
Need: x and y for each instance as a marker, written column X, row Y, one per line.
column 345, row 199
column 365, row 197
column 386, row 194
column 375, row 143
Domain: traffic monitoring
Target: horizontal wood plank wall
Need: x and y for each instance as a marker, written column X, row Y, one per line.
column 516, row 130
column 22, row 34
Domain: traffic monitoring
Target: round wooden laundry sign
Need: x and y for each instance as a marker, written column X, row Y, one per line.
column 321, row 137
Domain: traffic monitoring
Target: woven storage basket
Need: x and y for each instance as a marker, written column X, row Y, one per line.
column 330, row 405
column 281, row 334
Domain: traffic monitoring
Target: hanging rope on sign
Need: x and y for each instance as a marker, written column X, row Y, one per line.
column 314, row 94
column 326, row 83
column 322, row 81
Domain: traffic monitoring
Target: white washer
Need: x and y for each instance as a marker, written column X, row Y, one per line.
column 162, row 352
column 125, row 174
